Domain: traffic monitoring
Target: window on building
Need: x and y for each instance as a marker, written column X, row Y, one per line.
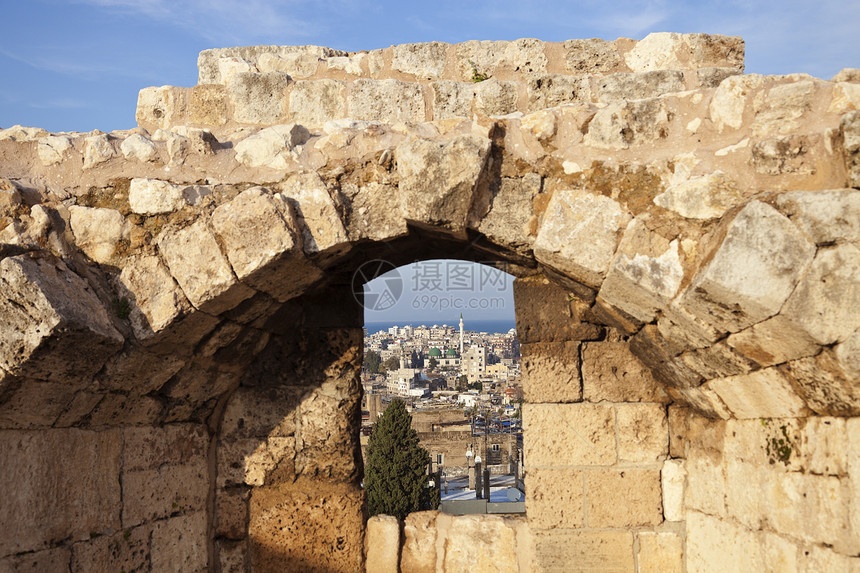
column 495, row 447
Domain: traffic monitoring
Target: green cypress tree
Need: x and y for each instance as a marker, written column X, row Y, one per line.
column 395, row 476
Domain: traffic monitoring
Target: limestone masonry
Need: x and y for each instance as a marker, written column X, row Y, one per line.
column 180, row 347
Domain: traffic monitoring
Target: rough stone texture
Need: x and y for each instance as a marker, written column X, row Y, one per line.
column 419, row 542
column 551, row 372
column 832, row 284
column 271, row 147
column 478, row 543
column 711, row 541
column 672, row 478
column 54, row 327
column 97, row 231
column 622, row 124
column 152, row 197
column 261, row 244
column 660, row 553
column 590, row 57
column 382, row 544
column 97, row 150
column 623, row 498
column 325, row 530
column 554, row 498
column 753, row 271
column 494, row 98
column 315, row 211
column 179, row 544
column 639, row 86
column 312, row 103
column 452, row 99
column 701, row 197
column 761, row 394
column 426, row 61
column 556, row 89
column 386, row 100
column 258, row 97
column 437, row 181
column 138, row 147
column 643, row 432
column 508, row 221
column 579, row 234
column 611, row 372
column 569, row 434
column 67, row 486
column 584, row 551
column 201, row 269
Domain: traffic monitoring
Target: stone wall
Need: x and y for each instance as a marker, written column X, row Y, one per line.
column 180, row 338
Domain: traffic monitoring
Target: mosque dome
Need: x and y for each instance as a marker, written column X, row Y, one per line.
column 435, row 353
column 451, row 352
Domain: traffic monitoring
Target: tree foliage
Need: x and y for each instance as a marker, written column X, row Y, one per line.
column 392, row 363
column 372, row 361
column 395, row 476
column 433, row 363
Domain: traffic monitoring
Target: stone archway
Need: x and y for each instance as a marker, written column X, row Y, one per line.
column 174, row 317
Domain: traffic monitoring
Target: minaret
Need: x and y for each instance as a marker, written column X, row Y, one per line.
column 461, row 335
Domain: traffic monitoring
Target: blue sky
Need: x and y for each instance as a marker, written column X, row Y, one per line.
column 77, row 65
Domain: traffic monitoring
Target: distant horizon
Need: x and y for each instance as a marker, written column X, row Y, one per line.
column 384, row 325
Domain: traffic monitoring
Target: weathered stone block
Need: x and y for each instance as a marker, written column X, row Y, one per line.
column 701, row 197
column 745, row 482
column 314, row 102
column 56, row 559
column 256, row 461
column 579, row 234
column 850, row 125
column 316, row 214
column 611, row 372
column 639, row 85
column 551, row 372
column 53, row 326
column 438, row 181
column 257, row 232
column 388, row 101
column 554, row 498
column 832, row 285
column 156, row 107
column 660, row 552
column 716, row 545
column 382, row 544
column 717, row 361
column 622, row 124
column 672, row 478
column 179, row 544
column 827, row 381
column 825, row 216
column 729, row 100
column 272, row 147
column 127, row 550
column 760, row 394
column 452, row 99
column 645, row 275
column 508, row 221
column 569, row 434
column 154, row 494
column 480, row 543
column 67, row 486
column 232, row 556
column 552, row 90
column 175, row 444
column 774, row 341
column 643, row 432
column 203, row 272
column 425, row 61
column 419, row 545
column 493, row 97
column 787, row 154
column 752, row 272
column 324, row 531
column 139, row 148
column 207, row 105
column 97, row 150
column 231, row 513
column 623, row 498
column 592, row 57
column 583, row 551
column 97, row 231
column 706, row 486
column 551, row 314
column 258, row 98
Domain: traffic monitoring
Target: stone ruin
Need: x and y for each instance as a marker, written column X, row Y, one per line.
column 180, row 344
